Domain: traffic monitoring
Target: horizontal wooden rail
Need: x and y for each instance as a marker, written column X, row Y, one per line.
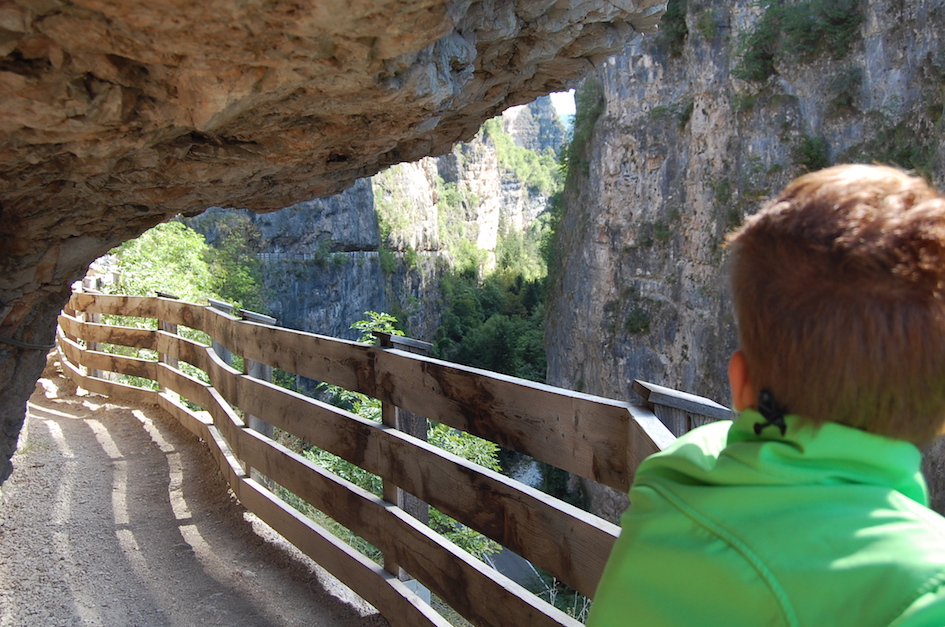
column 680, row 411
column 596, row 438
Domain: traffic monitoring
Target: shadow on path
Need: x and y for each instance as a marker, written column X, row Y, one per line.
column 116, row 515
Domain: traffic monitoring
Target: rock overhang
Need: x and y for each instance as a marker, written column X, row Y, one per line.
column 119, row 114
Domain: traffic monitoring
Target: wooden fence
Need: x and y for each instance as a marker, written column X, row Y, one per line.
column 593, row 437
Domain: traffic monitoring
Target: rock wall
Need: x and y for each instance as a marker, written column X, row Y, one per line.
column 383, row 244
column 115, row 116
column 683, row 149
column 533, row 126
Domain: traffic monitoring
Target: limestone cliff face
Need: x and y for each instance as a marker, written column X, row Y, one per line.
column 533, row 126
column 683, row 150
column 383, row 244
column 115, row 116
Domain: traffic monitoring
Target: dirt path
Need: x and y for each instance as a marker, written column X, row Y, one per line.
column 116, row 515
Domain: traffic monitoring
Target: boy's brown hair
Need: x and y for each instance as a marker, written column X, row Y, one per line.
column 839, row 291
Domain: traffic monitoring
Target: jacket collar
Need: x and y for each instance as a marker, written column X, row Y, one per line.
column 829, row 454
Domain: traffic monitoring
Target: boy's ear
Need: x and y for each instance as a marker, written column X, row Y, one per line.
column 744, row 394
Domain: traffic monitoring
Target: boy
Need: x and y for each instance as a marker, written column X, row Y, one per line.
column 808, row 509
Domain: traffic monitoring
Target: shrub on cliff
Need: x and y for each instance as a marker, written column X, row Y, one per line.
column 536, row 170
column 799, row 32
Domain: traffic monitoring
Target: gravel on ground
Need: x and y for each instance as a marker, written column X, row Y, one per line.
column 117, row 516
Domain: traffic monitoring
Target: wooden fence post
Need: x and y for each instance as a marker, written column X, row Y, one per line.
column 91, row 286
column 410, row 424
column 260, row 371
column 218, row 348
column 168, row 327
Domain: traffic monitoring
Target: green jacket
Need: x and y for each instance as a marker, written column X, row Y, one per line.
column 821, row 527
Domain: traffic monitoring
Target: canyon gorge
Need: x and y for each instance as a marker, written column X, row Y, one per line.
column 116, row 116
column 679, row 135
column 687, row 133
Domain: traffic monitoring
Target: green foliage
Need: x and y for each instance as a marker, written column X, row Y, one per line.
column 455, row 205
column 461, row 444
column 758, row 50
column 173, row 258
column 637, row 321
column 411, row 258
column 346, row 470
column 234, row 263
column 565, row 598
column 550, row 222
column 589, row 104
column 742, row 103
column 904, row 144
column 467, row 256
column 449, row 193
column 388, row 260
column 722, row 191
column 520, row 252
column 375, row 321
column 170, row 257
column 176, row 259
column 680, row 110
column 497, row 325
column 845, row 86
column 673, row 28
column 396, row 212
column 799, row 32
column 537, row 171
column 811, row 152
column 707, row 23
column 575, row 162
column 478, row 451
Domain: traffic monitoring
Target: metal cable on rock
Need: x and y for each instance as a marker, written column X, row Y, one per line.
column 26, row 345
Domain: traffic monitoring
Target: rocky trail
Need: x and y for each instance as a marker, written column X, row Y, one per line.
column 116, row 515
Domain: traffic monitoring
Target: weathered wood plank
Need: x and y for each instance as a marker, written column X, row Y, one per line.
column 589, row 436
column 582, row 434
column 450, row 573
column 181, row 313
column 108, row 388
column 690, row 403
column 106, row 361
column 177, row 347
column 92, row 332
column 196, row 423
column 190, row 388
column 602, row 439
column 134, row 306
column 394, row 600
column 586, row 435
column 225, row 418
column 226, row 459
column 69, row 348
column 339, row 362
column 566, row 541
column 400, row 606
column 647, row 436
column 120, row 364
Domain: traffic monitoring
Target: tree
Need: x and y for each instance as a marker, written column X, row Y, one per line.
column 234, row 263
column 172, row 258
